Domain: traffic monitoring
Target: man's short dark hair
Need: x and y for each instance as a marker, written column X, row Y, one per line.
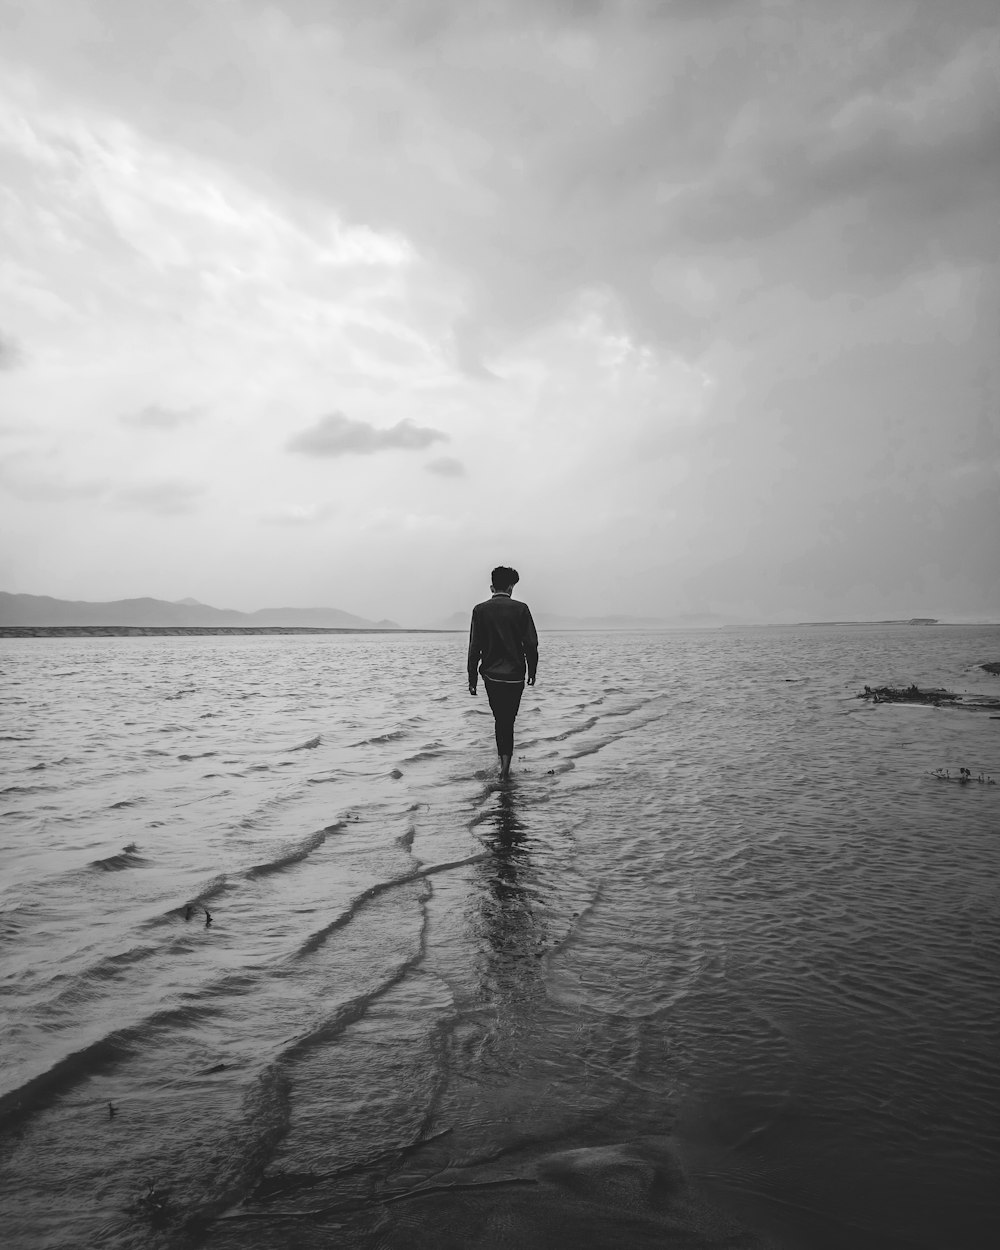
column 502, row 576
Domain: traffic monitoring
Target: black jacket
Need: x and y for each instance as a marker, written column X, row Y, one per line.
column 502, row 635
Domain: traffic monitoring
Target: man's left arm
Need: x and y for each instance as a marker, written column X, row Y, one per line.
column 529, row 644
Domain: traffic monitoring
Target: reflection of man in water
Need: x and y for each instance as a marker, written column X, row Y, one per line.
column 503, row 643
column 509, row 925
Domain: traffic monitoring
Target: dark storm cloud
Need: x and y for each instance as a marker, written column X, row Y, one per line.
column 337, row 435
column 555, row 147
column 897, row 183
column 157, row 417
column 446, row 466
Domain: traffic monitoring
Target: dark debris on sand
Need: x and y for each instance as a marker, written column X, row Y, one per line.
column 907, row 694
column 935, row 697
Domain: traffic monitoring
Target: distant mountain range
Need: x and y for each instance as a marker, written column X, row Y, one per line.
column 40, row 610
column 552, row 620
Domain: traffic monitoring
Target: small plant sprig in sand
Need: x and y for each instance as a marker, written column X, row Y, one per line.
column 964, row 777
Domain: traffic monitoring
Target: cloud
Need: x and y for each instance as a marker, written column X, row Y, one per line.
column 164, row 498
column 728, row 269
column 25, row 480
column 157, row 417
column 594, row 142
column 297, row 514
column 337, row 435
column 869, row 184
column 446, row 466
column 44, row 486
column 10, row 353
column 592, row 146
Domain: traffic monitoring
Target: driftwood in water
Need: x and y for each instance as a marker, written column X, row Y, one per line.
column 907, row 694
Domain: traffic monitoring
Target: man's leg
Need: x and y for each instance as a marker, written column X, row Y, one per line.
column 505, row 699
column 494, row 692
column 513, row 704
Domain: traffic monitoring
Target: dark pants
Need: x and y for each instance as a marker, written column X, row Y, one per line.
column 505, row 699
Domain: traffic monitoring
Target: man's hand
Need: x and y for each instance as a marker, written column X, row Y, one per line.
column 531, row 681
column 472, row 689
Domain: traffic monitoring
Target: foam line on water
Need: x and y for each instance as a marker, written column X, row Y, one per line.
column 316, row 940
column 105, row 1051
column 295, row 853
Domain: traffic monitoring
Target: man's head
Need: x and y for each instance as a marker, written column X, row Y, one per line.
column 503, row 578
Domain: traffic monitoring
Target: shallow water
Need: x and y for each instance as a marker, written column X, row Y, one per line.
column 720, row 967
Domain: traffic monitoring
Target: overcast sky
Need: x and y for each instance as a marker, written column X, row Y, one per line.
column 677, row 305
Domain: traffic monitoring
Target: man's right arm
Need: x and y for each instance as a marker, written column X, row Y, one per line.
column 475, row 651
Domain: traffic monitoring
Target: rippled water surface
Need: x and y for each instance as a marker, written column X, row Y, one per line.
column 720, row 967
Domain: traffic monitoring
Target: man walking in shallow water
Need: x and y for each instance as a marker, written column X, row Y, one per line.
column 503, row 644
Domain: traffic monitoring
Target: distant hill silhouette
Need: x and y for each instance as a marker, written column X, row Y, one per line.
column 43, row 610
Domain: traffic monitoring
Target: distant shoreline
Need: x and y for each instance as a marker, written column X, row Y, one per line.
column 913, row 620
column 236, row 631
column 156, row 631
